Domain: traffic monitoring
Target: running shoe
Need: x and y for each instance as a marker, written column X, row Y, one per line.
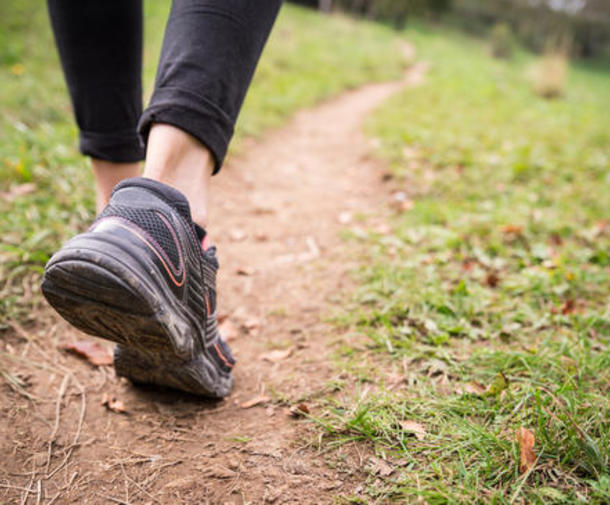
column 143, row 276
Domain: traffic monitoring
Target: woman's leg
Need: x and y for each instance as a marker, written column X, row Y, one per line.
column 148, row 248
column 100, row 46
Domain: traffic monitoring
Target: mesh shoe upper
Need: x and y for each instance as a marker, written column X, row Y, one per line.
column 156, row 219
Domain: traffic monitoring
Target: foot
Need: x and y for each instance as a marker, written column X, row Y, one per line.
column 142, row 277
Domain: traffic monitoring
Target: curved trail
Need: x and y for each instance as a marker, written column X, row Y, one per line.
column 275, row 219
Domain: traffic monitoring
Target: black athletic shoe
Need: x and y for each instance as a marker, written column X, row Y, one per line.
column 142, row 277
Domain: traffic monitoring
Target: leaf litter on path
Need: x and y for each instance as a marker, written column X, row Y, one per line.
column 300, row 410
column 414, row 428
column 94, row 352
column 113, row 404
column 276, row 355
column 526, row 441
column 253, row 402
column 228, row 330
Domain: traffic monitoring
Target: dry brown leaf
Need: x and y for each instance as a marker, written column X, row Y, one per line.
column 228, row 331
column 252, row 323
column 601, row 227
column 568, row 307
column 492, row 279
column 276, row 355
column 556, row 239
column 245, row 271
column 474, row 388
column 414, row 428
column 253, row 402
column 468, row 265
column 394, row 379
column 219, row 472
column 381, row 467
column 19, row 190
column 514, row 229
column 299, row 410
column 526, row 441
column 113, row 404
column 406, row 205
column 94, row 352
column 261, row 236
column 382, row 229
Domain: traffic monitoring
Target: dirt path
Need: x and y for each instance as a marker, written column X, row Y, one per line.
column 277, row 211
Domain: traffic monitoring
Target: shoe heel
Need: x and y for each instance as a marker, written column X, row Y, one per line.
column 195, row 376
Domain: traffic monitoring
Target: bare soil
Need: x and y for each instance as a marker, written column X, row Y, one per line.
column 277, row 211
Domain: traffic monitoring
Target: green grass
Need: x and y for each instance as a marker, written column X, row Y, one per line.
column 500, row 270
column 308, row 58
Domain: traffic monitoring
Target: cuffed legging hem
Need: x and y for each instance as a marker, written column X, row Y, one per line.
column 117, row 147
column 193, row 114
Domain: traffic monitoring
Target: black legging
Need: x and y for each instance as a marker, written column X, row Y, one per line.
column 210, row 51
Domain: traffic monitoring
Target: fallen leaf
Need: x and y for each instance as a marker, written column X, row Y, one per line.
column 394, row 379
column 245, row 271
column 568, row 307
column 219, row 472
column 252, row 323
column 382, row 229
column 264, row 209
column 113, row 404
column 19, row 190
column 299, row 410
column 474, row 388
column 182, row 482
column 514, row 229
column 276, row 355
column 414, row 428
column 499, row 384
column 406, row 205
column 253, row 402
column 556, row 239
column 601, row 227
column 492, row 279
column 526, row 441
column 94, row 352
column 381, row 467
column 237, row 235
column 228, row 331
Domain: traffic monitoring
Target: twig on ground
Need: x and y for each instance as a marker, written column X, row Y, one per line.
column 78, row 429
column 126, row 482
column 60, row 395
column 143, row 490
column 115, row 500
column 39, row 492
column 15, row 384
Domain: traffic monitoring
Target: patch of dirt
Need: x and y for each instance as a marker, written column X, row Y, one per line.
column 276, row 215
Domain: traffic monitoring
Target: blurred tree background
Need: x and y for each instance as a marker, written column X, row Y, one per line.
column 580, row 27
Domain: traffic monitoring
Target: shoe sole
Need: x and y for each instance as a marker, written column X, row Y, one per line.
column 146, row 368
column 96, row 285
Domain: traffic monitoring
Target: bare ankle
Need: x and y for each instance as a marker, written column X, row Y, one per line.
column 176, row 158
column 107, row 175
